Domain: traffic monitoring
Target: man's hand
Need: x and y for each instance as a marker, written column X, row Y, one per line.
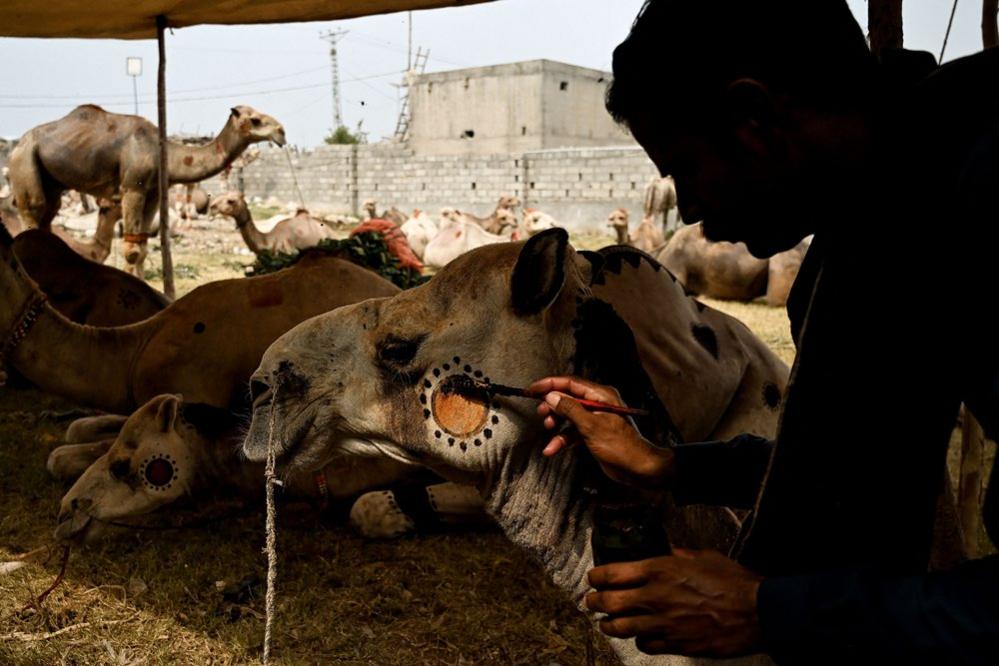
column 697, row 603
column 622, row 452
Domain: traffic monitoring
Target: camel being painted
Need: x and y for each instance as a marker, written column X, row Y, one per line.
column 81, row 290
column 116, row 157
column 170, row 450
column 728, row 271
column 288, row 236
column 374, row 378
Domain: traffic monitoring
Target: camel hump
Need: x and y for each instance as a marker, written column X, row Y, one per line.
column 86, row 111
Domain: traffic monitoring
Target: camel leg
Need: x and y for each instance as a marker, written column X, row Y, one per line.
column 94, row 428
column 67, row 463
column 410, row 508
column 133, row 211
column 36, row 203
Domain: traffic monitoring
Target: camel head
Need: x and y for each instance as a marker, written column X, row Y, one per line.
column 508, row 202
column 619, row 218
column 371, row 208
column 231, row 204
column 256, row 126
column 449, row 214
column 535, row 222
column 505, row 219
column 153, row 462
column 379, row 377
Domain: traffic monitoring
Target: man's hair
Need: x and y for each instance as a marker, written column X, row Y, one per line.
column 686, row 52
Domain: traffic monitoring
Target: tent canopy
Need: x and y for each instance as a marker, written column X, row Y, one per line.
column 136, row 19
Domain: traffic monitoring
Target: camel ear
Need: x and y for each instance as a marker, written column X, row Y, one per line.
column 166, row 415
column 539, row 274
column 235, row 111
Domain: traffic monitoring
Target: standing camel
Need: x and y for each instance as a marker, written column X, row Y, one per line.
column 116, row 156
column 660, row 199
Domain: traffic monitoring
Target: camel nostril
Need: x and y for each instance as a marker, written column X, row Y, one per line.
column 260, row 392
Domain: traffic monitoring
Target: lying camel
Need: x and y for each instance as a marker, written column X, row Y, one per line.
column 81, row 290
column 288, row 236
column 377, row 378
column 204, row 345
column 495, row 223
column 419, row 230
column 170, row 449
column 393, row 214
column 116, row 156
column 647, row 237
column 729, row 271
column 457, row 236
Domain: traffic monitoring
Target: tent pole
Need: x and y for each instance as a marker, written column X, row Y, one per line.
column 164, row 181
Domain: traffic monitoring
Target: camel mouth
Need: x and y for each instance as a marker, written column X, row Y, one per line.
column 279, row 140
column 77, row 527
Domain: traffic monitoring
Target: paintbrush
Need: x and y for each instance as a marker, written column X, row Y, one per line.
column 468, row 386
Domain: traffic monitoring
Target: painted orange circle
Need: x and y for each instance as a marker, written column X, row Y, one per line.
column 458, row 414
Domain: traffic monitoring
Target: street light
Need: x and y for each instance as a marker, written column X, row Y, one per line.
column 133, row 67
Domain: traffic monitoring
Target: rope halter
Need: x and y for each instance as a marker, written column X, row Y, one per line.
column 33, row 308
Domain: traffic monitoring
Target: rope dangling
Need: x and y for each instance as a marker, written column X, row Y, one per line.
column 270, row 547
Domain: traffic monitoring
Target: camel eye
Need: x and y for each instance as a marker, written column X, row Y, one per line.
column 256, row 121
column 120, row 469
column 159, row 473
column 398, row 351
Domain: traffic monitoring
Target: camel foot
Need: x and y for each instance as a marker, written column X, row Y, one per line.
column 68, row 462
column 411, row 508
column 94, row 428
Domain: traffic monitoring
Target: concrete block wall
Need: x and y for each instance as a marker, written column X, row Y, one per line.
column 579, row 187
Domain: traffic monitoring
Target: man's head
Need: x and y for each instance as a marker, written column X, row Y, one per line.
column 765, row 100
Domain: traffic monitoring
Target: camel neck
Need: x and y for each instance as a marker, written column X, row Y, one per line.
column 90, row 366
column 538, row 503
column 255, row 239
column 191, row 164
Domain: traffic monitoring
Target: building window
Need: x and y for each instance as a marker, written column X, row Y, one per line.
column 580, row 177
column 516, row 164
column 516, row 179
column 523, row 131
column 468, row 134
column 532, row 186
column 430, row 87
column 473, row 186
column 563, row 86
column 567, row 194
column 610, row 177
column 634, row 186
column 466, row 83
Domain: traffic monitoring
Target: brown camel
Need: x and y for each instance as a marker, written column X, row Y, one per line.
column 376, row 377
column 84, row 291
column 495, row 223
column 727, row 270
column 618, row 221
column 393, row 214
column 288, row 236
column 205, row 345
column 170, row 449
column 115, row 156
column 660, row 199
column 720, row 270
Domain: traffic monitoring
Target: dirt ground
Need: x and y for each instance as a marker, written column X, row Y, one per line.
column 195, row 596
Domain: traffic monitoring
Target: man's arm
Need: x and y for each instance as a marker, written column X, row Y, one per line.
column 721, row 473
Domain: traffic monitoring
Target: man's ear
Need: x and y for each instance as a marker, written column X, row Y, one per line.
column 166, row 415
column 539, row 274
column 751, row 110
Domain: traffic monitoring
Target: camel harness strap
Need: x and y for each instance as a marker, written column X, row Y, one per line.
column 19, row 331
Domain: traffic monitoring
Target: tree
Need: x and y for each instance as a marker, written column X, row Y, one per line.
column 341, row 136
column 884, row 24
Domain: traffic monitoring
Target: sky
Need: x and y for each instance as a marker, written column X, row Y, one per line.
column 284, row 70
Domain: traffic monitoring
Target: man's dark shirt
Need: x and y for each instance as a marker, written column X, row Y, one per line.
column 892, row 315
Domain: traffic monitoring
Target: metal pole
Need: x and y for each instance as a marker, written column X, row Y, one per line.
column 135, row 94
column 164, row 181
column 409, row 49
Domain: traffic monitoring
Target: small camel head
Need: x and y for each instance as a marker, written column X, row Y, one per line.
column 508, row 202
column 535, row 222
column 619, row 218
column 231, row 204
column 371, row 208
column 505, row 219
column 152, row 463
column 378, row 377
column 257, row 126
